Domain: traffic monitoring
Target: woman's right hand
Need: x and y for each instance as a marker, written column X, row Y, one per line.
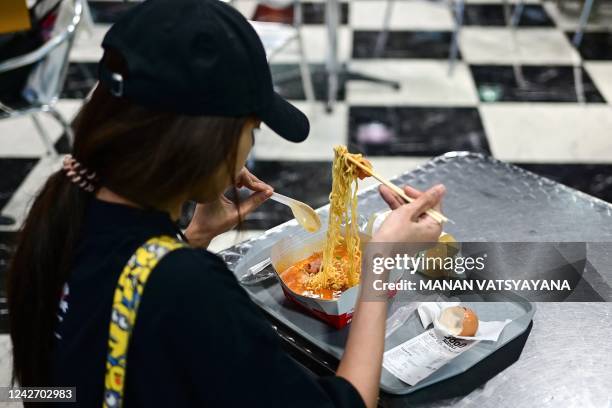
column 409, row 222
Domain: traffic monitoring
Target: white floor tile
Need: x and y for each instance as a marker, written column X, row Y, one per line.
column 326, row 131
column 549, row 132
column 405, row 15
column 597, row 21
column 88, row 48
column 18, row 136
column 246, row 7
column 316, row 45
column 423, row 82
column 5, row 360
column 528, row 46
column 601, row 74
column 6, row 369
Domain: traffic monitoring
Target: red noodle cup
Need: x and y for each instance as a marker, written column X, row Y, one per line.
column 290, row 250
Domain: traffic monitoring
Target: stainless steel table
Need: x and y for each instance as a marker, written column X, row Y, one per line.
column 567, row 358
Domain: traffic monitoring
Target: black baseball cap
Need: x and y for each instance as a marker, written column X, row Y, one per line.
column 197, row 57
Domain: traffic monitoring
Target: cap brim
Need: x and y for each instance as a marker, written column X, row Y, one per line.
column 285, row 119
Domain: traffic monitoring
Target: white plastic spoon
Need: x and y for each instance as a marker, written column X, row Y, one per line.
column 303, row 213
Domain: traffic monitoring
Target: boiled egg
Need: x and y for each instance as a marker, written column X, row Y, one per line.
column 459, row 321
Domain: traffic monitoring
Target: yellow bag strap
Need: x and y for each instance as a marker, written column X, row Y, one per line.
column 128, row 295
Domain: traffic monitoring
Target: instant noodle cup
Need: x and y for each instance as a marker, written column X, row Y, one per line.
column 290, row 250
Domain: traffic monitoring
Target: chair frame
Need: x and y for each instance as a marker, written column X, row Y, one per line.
column 456, row 7
column 305, row 73
column 66, row 36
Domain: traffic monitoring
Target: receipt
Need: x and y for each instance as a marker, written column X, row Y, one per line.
column 423, row 355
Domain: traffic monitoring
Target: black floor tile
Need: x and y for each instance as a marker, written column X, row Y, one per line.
column 288, row 82
column 533, row 15
column 5, row 220
column 7, row 239
column 13, row 171
column 499, row 83
column 15, row 104
column 314, row 13
column 593, row 179
column 108, row 12
column 80, row 79
column 403, row 44
column 309, row 182
column 595, row 45
column 415, row 131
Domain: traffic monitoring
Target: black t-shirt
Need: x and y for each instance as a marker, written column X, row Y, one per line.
column 198, row 339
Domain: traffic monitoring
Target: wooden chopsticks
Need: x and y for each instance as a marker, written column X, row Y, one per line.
column 431, row 212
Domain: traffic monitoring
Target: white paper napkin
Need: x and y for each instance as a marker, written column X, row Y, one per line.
column 429, row 312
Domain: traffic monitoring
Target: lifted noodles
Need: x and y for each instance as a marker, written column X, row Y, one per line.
column 341, row 258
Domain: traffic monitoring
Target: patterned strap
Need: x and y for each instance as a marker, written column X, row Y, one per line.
column 128, row 295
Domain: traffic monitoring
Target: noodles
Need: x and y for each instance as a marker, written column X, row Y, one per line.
column 341, row 259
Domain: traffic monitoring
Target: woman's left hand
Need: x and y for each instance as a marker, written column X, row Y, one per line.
column 221, row 215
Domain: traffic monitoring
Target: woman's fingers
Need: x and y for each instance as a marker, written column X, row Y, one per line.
column 250, row 181
column 412, row 192
column 423, row 200
column 438, row 206
column 255, row 178
column 429, row 199
column 254, row 201
column 392, row 200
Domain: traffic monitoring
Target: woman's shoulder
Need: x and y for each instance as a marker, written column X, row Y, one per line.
column 193, row 259
column 192, row 288
column 188, row 271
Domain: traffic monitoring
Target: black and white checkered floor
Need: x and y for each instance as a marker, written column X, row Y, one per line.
column 541, row 123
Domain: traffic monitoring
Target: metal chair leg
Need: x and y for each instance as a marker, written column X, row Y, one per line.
column 44, row 136
column 457, row 7
column 584, row 19
column 381, row 40
column 304, row 68
column 88, row 22
column 512, row 19
column 517, row 13
column 332, row 21
column 306, row 74
column 65, row 125
column 579, row 84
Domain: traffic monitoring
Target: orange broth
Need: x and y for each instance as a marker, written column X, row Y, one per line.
column 296, row 276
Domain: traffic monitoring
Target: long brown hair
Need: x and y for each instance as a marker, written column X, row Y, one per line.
column 146, row 156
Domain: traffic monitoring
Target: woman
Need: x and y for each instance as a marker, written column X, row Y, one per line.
column 183, row 86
